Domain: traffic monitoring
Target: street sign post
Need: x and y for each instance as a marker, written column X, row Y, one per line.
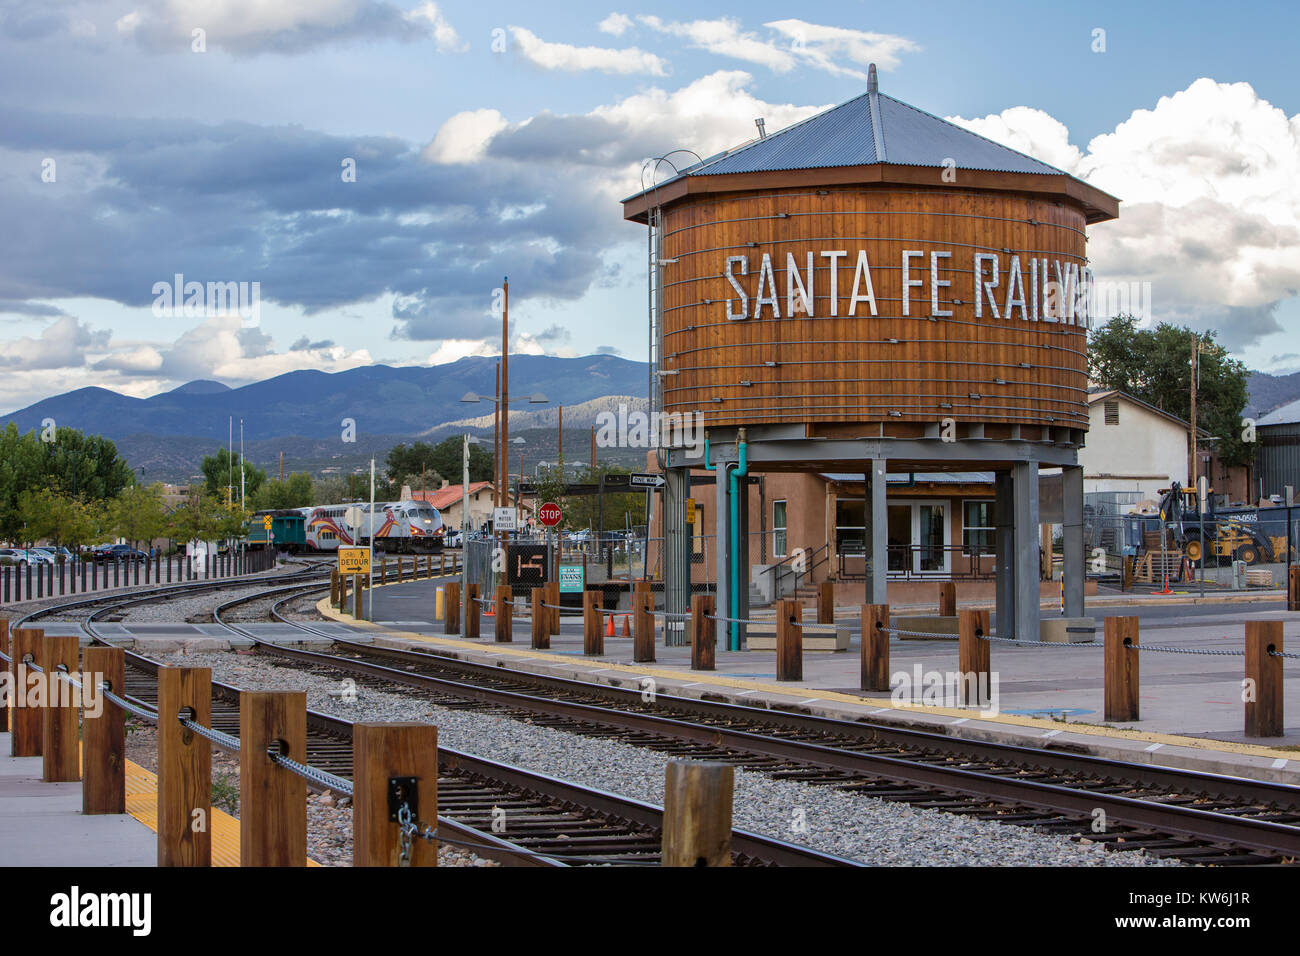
column 354, row 560
column 505, row 519
column 549, row 514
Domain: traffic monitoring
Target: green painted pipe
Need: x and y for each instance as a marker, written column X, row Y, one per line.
column 733, row 490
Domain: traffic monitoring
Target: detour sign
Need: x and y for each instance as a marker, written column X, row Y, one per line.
column 354, row 560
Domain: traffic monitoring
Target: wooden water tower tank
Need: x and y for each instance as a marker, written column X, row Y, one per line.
column 874, row 270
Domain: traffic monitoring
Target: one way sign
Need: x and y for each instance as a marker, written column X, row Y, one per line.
column 645, row 481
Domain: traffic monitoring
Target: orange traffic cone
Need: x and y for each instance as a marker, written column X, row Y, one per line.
column 627, row 630
column 609, row 628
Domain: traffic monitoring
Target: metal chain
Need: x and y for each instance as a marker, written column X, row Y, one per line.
column 128, row 706
column 930, row 634
column 1015, row 640
column 410, row 831
column 222, row 740
column 1205, row 652
column 1284, row 654
column 326, row 779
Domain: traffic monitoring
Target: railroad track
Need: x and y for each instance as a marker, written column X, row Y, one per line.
column 1195, row 817
column 549, row 822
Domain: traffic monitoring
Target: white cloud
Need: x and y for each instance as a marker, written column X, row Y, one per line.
column 62, row 344
column 1210, row 183
column 790, row 44
column 563, row 56
column 444, row 34
column 821, row 46
column 453, row 350
column 464, row 138
column 220, row 348
column 615, row 24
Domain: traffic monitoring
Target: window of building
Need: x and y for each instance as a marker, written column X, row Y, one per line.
column 778, row 529
column 977, row 527
column 850, row 526
column 1111, row 412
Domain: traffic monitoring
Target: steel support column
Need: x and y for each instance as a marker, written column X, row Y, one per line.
column 1072, row 541
column 1024, row 476
column 876, row 514
column 1004, row 554
column 676, row 555
column 742, row 563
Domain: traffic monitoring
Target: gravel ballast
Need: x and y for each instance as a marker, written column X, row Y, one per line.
column 848, row 824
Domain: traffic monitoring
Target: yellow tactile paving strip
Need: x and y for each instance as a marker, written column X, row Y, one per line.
column 142, row 803
column 1091, row 730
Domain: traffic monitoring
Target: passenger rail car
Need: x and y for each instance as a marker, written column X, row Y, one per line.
column 411, row 526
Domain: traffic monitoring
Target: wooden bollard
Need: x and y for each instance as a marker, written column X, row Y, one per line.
column 4, row 646
column 103, row 737
column 358, row 585
column 60, row 718
column 973, row 657
column 1264, row 706
column 826, row 602
column 553, row 599
column 1293, row 590
column 541, row 619
column 386, row 757
column 334, row 587
column 472, row 611
column 593, row 634
column 697, row 813
column 947, row 599
column 875, row 647
column 383, row 569
column 343, row 593
column 272, row 800
column 505, row 632
column 451, row 607
column 704, row 633
column 643, row 637
column 789, row 640
column 1122, row 669
column 26, row 730
column 184, row 768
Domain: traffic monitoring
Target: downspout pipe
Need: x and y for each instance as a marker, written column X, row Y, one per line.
column 738, row 471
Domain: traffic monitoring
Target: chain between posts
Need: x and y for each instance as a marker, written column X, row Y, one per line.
column 223, row 740
column 330, row 781
column 411, row 831
column 1203, row 651
column 1284, row 654
column 933, row 635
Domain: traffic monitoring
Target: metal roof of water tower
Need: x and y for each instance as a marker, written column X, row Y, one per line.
column 875, row 130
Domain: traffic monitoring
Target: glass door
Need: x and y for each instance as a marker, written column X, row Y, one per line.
column 918, row 538
column 931, row 532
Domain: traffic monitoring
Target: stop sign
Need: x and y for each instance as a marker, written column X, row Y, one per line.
column 549, row 514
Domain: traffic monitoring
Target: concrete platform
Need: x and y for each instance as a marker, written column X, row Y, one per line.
column 1192, row 714
column 41, row 824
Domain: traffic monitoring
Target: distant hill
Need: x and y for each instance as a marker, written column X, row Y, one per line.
column 301, row 413
column 1268, row 392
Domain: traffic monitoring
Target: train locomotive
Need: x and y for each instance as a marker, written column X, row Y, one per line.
column 398, row 526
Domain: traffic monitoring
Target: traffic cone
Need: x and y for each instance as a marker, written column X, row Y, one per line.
column 609, row 628
column 627, row 630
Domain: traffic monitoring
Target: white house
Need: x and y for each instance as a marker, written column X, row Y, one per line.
column 1132, row 446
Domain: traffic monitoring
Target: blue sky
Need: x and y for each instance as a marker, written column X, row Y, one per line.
column 473, row 161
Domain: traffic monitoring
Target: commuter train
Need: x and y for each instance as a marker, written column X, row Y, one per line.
column 411, row 526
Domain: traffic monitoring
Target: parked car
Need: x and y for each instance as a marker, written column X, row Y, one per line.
column 22, row 557
column 59, row 554
column 117, row 552
column 578, row 537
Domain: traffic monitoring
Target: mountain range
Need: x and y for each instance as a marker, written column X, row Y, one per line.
column 301, row 414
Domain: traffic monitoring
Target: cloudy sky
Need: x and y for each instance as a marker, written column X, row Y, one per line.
column 378, row 165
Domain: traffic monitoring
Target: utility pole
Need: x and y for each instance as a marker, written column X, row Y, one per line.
column 559, row 445
column 505, row 386
column 496, row 443
column 593, row 447
column 241, row 465
column 281, row 467
column 1196, row 374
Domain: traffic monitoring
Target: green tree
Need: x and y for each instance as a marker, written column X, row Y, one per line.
column 1155, row 365
column 221, row 476
column 294, row 492
column 62, row 520
column 138, row 514
column 328, row 491
column 203, row 517
column 70, row 463
column 443, row 460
